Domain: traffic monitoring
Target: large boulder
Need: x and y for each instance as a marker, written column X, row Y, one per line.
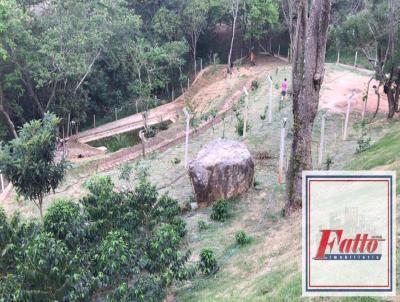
column 222, row 169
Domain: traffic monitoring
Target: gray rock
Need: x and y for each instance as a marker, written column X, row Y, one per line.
column 222, row 169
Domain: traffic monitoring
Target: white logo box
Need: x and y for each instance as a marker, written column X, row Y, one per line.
column 349, row 233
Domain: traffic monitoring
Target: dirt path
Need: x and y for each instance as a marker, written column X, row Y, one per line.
column 228, row 88
column 338, row 85
column 161, row 113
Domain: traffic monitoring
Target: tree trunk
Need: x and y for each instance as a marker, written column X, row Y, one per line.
column 379, row 99
column 308, row 73
column 6, row 116
column 391, row 103
column 235, row 8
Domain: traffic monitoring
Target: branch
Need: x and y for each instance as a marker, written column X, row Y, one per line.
column 87, row 71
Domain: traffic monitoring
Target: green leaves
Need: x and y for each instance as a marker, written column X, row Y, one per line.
column 126, row 242
column 208, row 263
column 262, row 15
column 29, row 160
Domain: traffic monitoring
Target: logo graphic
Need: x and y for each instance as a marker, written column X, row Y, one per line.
column 349, row 232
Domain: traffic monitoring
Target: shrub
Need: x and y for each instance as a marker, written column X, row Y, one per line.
column 220, row 210
column 239, row 126
column 150, row 132
column 127, row 242
column 125, row 172
column 176, row 160
column 63, row 219
column 242, row 238
column 364, row 141
column 262, row 116
column 114, row 257
column 202, row 225
column 328, row 162
column 254, row 85
column 208, row 263
column 163, row 125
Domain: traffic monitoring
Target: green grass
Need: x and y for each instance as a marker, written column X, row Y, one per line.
column 384, row 152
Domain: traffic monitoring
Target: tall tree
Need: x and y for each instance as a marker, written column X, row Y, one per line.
column 234, row 13
column 195, row 20
column 308, row 74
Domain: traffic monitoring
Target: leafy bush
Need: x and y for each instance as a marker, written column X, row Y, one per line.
column 64, row 221
column 220, row 210
column 364, row 141
column 126, row 244
column 254, row 85
column 239, row 126
column 163, row 125
column 262, row 116
column 242, row 238
column 208, row 263
column 176, row 160
column 202, row 225
column 328, row 162
column 125, row 172
column 150, row 132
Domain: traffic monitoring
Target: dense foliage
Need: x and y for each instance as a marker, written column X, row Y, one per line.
column 79, row 58
column 28, row 161
column 123, row 246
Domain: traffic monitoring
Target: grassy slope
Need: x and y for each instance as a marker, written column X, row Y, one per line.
column 269, row 269
column 384, row 155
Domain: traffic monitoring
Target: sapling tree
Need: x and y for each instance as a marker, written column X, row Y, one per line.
column 29, row 160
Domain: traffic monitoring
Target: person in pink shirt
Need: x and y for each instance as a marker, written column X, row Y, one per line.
column 284, row 87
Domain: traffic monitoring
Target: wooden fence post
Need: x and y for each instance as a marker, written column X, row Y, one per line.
column 355, row 59
column 69, row 121
column 201, row 64
column 346, row 123
column 2, row 182
column 143, row 140
column 270, row 100
column 187, row 115
column 321, row 142
column 338, row 57
column 245, row 115
column 94, row 120
column 279, row 49
column 282, row 151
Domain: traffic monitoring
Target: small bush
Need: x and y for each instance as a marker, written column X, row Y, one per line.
column 220, row 210
column 125, row 172
column 214, row 112
column 239, row 126
column 163, row 125
column 150, row 132
column 328, row 162
column 242, row 238
column 176, row 160
column 364, row 141
column 254, row 85
column 256, row 183
column 262, row 116
column 208, row 263
column 202, row 225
